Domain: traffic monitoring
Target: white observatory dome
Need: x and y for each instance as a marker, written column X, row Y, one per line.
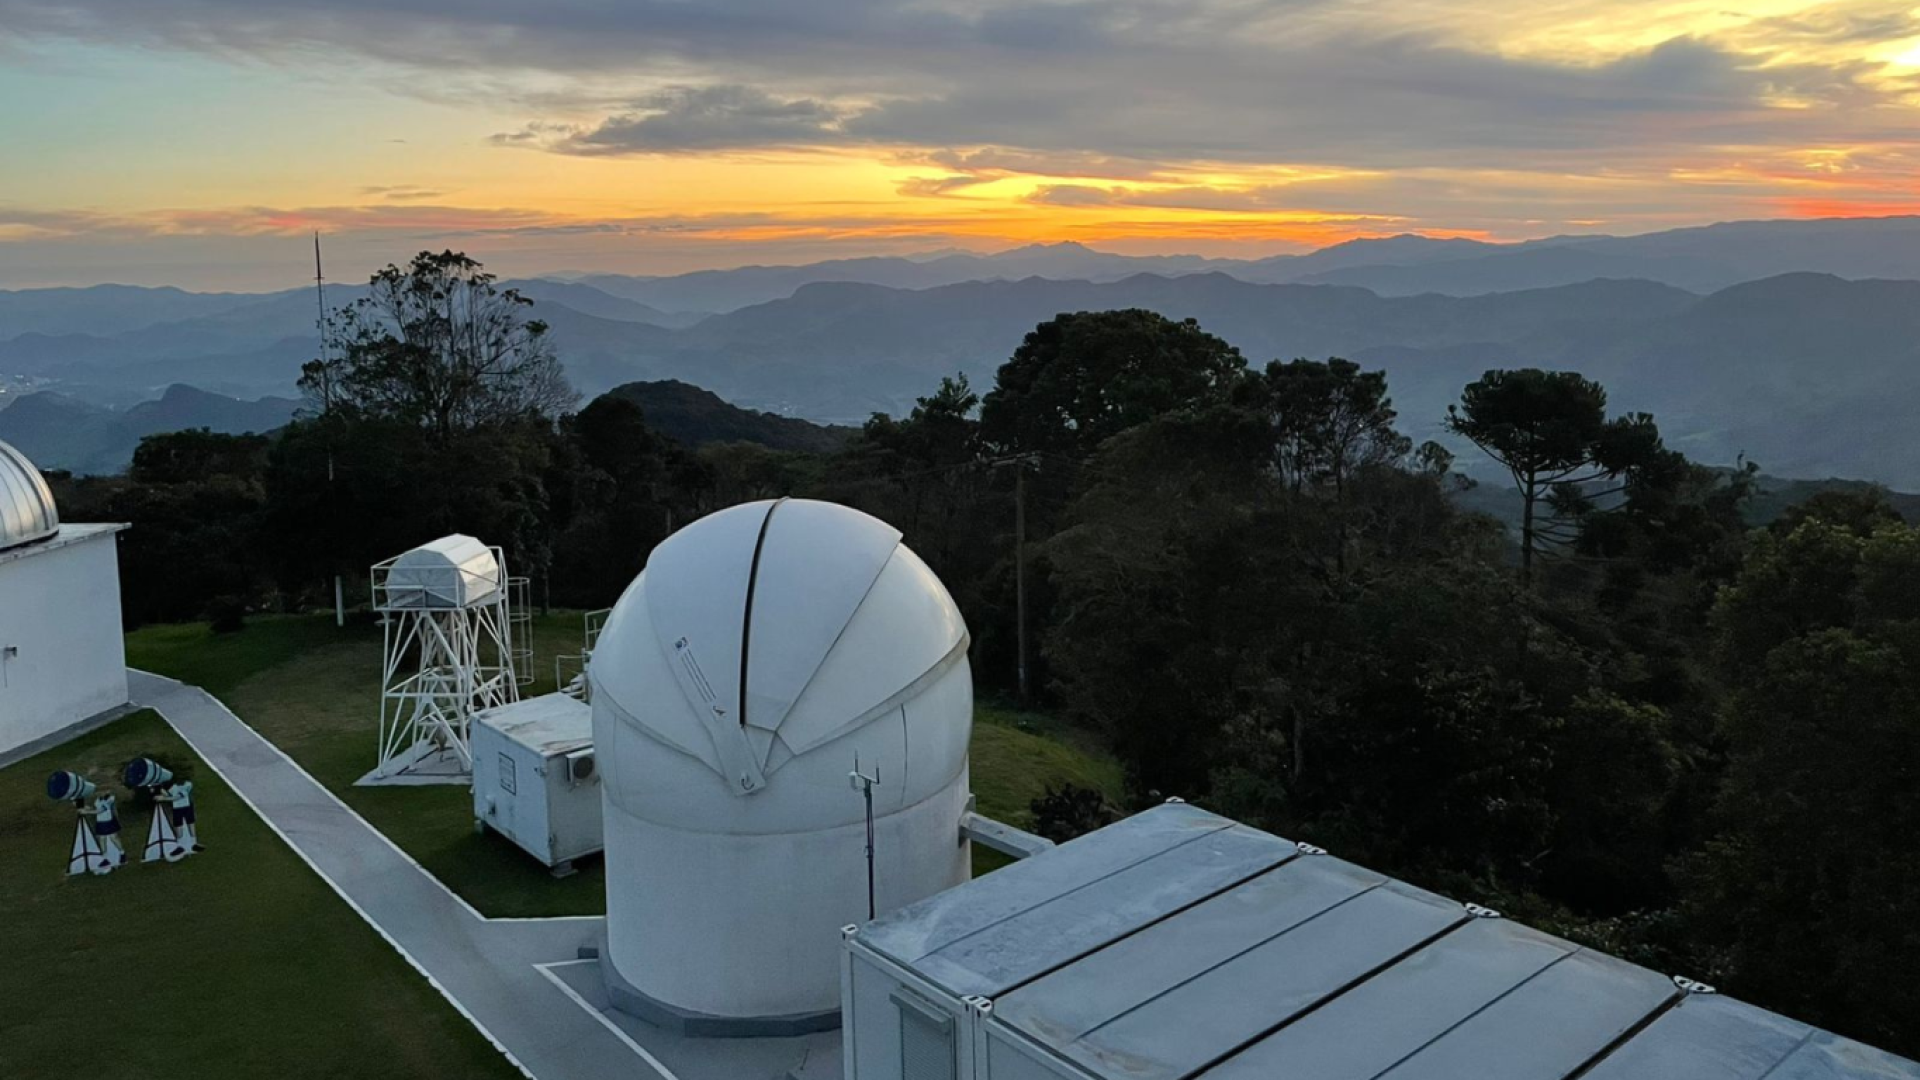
column 27, row 512
column 763, row 650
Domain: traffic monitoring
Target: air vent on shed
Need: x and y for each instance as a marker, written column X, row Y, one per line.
column 926, row 1040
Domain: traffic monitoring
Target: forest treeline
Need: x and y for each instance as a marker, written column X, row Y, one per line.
column 1639, row 722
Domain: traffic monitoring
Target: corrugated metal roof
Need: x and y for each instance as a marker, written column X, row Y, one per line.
column 1178, row 944
column 991, row 935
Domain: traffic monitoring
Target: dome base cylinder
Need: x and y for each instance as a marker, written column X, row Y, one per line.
column 735, row 934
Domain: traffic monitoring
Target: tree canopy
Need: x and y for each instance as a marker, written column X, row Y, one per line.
column 1079, row 379
column 439, row 346
column 1550, row 431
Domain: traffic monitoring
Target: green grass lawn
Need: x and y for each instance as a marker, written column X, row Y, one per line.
column 312, row 689
column 236, row 962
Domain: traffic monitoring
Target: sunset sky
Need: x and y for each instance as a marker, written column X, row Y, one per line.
column 199, row 142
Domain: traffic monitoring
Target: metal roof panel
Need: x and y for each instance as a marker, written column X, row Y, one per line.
column 1175, row 999
column 1392, row 1016
column 1548, row 1027
column 991, row 935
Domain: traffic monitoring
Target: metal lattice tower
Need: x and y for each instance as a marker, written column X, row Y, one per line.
column 454, row 645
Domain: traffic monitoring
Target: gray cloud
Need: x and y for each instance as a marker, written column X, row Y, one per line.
column 1077, row 195
column 1146, row 80
column 695, row 118
column 935, row 186
column 1104, row 92
column 401, row 192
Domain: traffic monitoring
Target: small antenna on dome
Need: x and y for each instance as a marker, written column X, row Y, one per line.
column 865, row 784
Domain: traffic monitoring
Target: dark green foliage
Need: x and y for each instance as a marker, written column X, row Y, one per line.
column 1860, row 511
column 1079, row 379
column 437, row 346
column 197, row 502
column 1161, row 621
column 1811, row 891
column 1068, row 811
column 187, row 456
column 694, row 418
column 344, row 492
column 226, row 614
column 1330, row 421
column 1549, row 430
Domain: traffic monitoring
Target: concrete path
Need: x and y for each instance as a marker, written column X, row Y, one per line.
column 499, row 973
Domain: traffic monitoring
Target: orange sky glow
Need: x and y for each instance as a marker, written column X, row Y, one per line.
column 199, row 143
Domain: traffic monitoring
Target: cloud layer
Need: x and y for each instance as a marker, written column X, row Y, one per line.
column 1475, row 115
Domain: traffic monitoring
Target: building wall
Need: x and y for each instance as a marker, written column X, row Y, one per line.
column 60, row 609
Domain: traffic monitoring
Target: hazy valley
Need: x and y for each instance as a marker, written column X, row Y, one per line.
column 1794, row 344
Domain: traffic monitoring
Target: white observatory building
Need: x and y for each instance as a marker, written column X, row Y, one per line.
column 61, row 656
column 764, row 652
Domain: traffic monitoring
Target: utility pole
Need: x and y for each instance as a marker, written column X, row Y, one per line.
column 320, row 303
column 1019, row 463
column 1020, row 572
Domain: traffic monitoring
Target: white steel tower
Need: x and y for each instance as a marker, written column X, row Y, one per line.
column 451, row 651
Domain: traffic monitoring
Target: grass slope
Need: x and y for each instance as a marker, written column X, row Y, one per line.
column 311, row 689
column 237, row 962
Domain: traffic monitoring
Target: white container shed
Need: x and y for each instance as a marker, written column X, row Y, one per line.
column 535, row 781
column 1177, row 944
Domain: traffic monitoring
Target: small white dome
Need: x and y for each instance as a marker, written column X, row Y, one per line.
column 27, row 512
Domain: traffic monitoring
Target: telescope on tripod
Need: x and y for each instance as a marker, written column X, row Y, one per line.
column 92, row 851
column 163, row 839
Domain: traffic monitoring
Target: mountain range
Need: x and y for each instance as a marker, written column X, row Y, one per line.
column 1810, row 373
column 62, row 432
column 694, row 417
column 1700, row 259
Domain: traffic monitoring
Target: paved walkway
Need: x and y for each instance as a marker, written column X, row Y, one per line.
column 485, row 967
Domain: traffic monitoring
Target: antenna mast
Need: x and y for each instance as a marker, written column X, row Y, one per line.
column 320, row 295
column 320, row 324
column 865, row 784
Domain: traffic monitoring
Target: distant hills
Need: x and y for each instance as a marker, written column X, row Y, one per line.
column 1809, row 374
column 694, row 417
column 1812, row 375
column 1791, row 342
column 105, row 309
column 729, row 290
column 61, row 432
column 1700, row 259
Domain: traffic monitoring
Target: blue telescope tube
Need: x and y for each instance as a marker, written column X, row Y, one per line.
column 145, row 773
column 64, row 786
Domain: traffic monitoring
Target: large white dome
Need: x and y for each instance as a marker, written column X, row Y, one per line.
column 763, row 650
column 27, row 512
